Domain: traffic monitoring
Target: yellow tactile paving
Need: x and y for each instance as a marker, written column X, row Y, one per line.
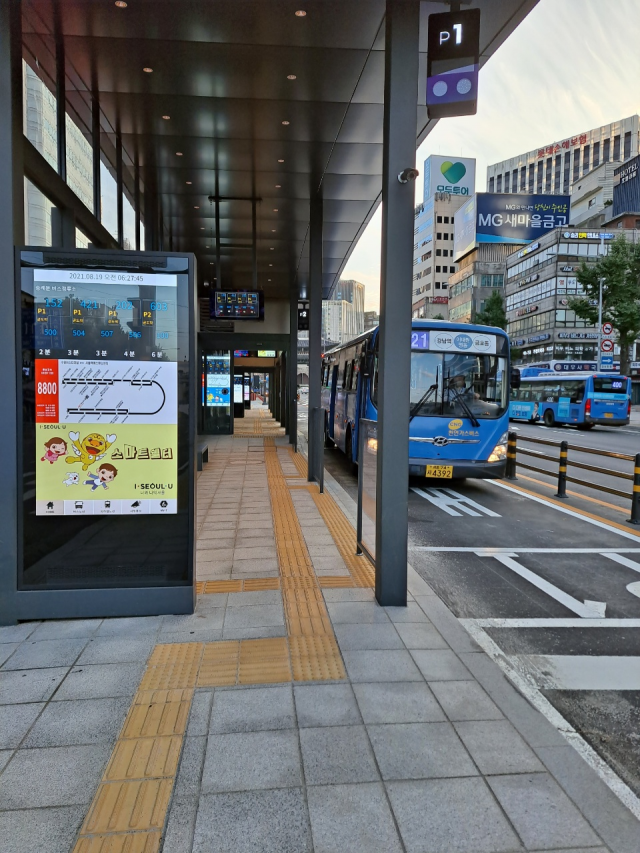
column 134, row 842
column 344, row 536
column 172, row 666
column 157, row 718
column 144, row 758
column 219, row 666
column 335, row 582
column 246, row 585
column 129, row 807
column 264, row 661
column 315, row 658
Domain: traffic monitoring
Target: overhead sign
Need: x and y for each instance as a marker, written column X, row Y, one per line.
column 453, row 175
column 464, row 234
column 303, row 318
column 519, row 217
column 587, row 235
column 461, row 342
column 453, row 54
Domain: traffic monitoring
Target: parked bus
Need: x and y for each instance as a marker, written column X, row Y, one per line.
column 459, row 397
column 573, row 398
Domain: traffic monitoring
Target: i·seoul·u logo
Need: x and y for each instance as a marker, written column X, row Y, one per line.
column 453, row 172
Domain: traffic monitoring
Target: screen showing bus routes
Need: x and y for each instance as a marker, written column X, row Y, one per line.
column 237, row 305
column 106, row 396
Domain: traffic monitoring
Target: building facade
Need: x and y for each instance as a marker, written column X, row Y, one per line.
column 371, row 320
column 553, row 168
column 480, row 273
column 592, row 197
column 343, row 316
column 540, row 280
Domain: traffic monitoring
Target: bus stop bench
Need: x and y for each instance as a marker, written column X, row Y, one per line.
column 202, row 454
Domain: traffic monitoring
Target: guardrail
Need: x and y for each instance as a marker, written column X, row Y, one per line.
column 564, row 462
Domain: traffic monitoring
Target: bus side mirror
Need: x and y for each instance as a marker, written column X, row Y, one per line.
column 515, row 378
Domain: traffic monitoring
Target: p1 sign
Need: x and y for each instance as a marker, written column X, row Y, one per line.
column 452, row 63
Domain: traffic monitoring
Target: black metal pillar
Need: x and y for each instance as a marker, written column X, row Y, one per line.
column 11, row 234
column 137, row 203
column 315, row 327
column 95, row 141
column 254, row 245
column 394, row 366
column 119, row 190
column 291, row 385
column 63, row 228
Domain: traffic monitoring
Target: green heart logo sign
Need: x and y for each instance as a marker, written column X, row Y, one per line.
column 453, row 172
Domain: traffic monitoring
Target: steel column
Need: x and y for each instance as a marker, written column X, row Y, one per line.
column 402, row 27
column 119, row 191
column 254, row 246
column 137, row 204
column 315, row 327
column 63, row 228
column 11, row 234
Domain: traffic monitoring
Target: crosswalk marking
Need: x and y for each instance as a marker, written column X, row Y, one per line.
column 453, row 503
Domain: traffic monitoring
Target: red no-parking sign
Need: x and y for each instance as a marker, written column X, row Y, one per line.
column 606, row 345
column 607, row 329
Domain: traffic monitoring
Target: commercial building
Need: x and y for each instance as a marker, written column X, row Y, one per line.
column 540, row 280
column 343, row 315
column 554, row 167
column 448, row 183
column 371, row 320
column 479, row 273
column 592, row 197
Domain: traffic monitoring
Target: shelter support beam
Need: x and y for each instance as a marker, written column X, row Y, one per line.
column 315, row 325
column 402, row 26
column 11, row 234
column 291, row 378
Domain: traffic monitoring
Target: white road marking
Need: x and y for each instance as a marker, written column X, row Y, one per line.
column 525, row 684
column 551, row 622
column 450, row 502
column 490, row 551
column 586, row 609
column 634, row 588
column 566, row 511
column 583, row 672
column 624, row 561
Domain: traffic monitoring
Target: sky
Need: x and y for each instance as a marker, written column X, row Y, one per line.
column 572, row 65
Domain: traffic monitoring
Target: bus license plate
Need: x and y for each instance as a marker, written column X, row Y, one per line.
column 608, row 414
column 442, row 472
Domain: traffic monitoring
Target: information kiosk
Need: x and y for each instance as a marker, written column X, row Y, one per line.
column 107, row 419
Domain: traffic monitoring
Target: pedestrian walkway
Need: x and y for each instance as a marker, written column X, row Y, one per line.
column 289, row 713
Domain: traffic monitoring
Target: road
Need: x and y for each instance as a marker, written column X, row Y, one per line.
column 551, row 589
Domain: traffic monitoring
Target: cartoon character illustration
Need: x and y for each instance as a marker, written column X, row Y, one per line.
column 56, row 447
column 72, row 479
column 105, row 474
column 91, row 449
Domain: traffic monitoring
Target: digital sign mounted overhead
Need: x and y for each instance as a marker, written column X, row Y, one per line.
column 237, row 305
column 453, row 55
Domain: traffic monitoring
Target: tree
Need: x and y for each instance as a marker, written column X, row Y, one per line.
column 493, row 313
column 438, row 317
column 620, row 273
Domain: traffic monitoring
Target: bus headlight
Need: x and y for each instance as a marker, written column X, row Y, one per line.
column 499, row 452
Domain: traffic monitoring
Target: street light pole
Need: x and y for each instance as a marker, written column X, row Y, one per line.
column 599, row 360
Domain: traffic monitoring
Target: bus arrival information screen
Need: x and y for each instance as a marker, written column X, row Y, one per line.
column 106, row 410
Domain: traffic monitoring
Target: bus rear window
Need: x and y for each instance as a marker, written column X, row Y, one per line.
column 609, row 385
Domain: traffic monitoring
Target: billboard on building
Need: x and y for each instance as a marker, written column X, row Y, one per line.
column 455, row 175
column 464, row 234
column 508, row 218
column 626, row 187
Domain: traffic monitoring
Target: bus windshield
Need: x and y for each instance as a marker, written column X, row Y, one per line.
column 458, row 385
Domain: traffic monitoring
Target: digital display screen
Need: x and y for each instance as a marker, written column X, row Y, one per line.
column 240, row 353
column 218, row 380
column 237, row 305
column 237, row 389
column 266, row 353
column 106, row 392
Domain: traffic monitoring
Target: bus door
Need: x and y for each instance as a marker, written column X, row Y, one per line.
column 332, row 400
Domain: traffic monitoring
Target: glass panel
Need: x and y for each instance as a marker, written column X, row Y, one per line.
column 457, row 384
column 82, row 241
column 37, row 216
column 79, row 163
column 108, row 201
column 129, row 224
column 39, row 115
column 368, row 485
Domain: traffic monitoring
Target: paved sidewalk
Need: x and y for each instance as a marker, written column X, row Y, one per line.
column 290, row 713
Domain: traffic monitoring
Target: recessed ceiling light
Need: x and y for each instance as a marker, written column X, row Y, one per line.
column 147, row 70
column 271, row 248
column 278, row 186
column 275, row 209
column 211, row 264
column 285, row 122
column 166, row 118
column 291, row 77
column 189, row 183
column 196, row 207
column 268, row 279
column 273, row 230
column 300, row 13
column 121, row 4
column 270, row 265
column 202, row 227
column 280, row 161
column 207, row 247
column 178, row 153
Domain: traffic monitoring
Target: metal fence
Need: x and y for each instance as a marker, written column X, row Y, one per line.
column 565, row 461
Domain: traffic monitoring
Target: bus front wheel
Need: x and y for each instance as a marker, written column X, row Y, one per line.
column 548, row 418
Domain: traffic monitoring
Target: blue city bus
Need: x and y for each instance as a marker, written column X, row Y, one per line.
column 459, row 400
column 582, row 400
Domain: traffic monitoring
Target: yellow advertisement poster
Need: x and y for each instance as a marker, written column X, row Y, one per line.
column 106, row 469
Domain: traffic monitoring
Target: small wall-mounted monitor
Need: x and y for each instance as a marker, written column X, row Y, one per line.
column 237, row 305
